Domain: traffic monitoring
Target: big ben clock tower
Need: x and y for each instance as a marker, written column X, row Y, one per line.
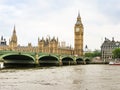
column 78, row 37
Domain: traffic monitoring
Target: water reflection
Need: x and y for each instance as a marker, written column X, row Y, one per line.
column 80, row 77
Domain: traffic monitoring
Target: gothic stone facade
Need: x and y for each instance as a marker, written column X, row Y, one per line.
column 50, row 45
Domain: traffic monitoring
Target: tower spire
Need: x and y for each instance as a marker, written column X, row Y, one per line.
column 78, row 19
column 14, row 30
column 13, row 41
column 78, row 14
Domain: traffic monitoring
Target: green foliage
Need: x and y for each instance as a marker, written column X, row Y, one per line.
column 116, row 53
column 88, row 55
column 95, row 53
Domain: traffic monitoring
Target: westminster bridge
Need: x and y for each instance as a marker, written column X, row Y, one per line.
column 30, row 58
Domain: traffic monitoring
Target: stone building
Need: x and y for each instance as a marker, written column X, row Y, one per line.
column 78, row 37
column 49, row 45
column 13, row 40
column 3, row 41
column 107, row 47
column 3, row 44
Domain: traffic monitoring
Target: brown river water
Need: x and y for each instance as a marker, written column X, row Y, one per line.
column 78, row 77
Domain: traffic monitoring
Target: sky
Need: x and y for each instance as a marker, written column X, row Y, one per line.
column 43, row 18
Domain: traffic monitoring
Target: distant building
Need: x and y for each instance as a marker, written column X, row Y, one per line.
column 3, row 44
column 3, row 41
column 87, row 50
column 107, row 47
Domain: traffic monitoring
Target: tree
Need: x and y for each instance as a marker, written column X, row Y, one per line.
column 95, row 53
column 88, row 54
column 116, row 53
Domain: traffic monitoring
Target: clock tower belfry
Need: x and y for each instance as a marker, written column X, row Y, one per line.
column 78, row 37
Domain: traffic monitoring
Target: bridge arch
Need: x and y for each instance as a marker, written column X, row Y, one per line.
column 18, row 58
column 48, row 60
column 67, row 60
column 87, row 60
column 79, row 61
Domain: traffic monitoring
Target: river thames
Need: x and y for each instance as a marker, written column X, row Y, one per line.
column 78, row 77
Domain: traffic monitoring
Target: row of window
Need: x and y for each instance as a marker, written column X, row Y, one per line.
column 110, row 47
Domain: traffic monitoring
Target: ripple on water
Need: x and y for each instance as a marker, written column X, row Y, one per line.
column 80, row 77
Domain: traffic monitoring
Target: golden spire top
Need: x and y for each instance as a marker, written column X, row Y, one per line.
column 78, row 14
column 14, row 30
column 78, row 19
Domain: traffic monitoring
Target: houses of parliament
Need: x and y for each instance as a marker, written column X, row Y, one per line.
column 48, row 45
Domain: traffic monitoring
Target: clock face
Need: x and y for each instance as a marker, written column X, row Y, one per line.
column 77, row 29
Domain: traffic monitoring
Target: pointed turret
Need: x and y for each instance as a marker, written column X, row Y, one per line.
column 78, row 16
column 14, row 36
column 38, row 39
column 14, row 31
column 113, row 39
column 1, row 38
column 13, row 41
column 78, row 19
